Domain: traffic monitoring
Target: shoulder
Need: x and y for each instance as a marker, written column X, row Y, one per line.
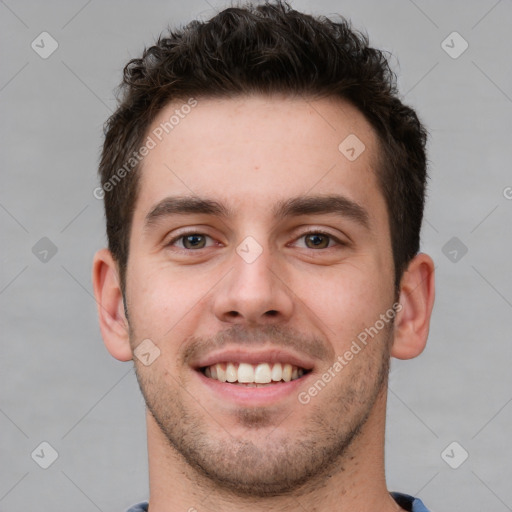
column 409, row 503
column 140, row 507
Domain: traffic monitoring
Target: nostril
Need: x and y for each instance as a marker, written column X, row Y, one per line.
column 272, row 312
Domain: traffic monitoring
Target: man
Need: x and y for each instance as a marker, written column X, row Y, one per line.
column 264, row 192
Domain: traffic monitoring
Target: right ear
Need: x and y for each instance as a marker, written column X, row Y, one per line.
column 107, row 290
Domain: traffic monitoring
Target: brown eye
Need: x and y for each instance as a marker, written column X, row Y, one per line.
column 190, row 241
column 317, row 240
column 194, row 241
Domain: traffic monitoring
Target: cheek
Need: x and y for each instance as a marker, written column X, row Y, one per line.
column 347, row 301
column 160, row 300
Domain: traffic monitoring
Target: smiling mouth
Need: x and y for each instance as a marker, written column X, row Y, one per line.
column 253, row 375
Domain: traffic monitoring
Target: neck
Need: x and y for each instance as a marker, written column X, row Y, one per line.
column 355, row 482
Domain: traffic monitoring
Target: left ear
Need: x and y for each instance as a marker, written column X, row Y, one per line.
column 107, row 290
column 417, row 299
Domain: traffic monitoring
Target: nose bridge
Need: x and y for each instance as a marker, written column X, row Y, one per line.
column 253, row 291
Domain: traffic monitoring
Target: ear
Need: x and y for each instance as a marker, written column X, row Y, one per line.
column 107, row 290
column 417, row 300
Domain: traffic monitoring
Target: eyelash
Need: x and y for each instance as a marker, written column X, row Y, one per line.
column 306, row 233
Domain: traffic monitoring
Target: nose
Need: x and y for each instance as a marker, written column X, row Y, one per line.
column 254, row 293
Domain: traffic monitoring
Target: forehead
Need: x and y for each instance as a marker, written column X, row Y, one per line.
column 254, row 151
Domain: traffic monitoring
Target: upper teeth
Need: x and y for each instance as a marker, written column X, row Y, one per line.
column 245, row 373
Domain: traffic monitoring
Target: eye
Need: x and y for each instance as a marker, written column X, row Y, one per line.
column 190, row 241
column 319, row 240
column 312, row 240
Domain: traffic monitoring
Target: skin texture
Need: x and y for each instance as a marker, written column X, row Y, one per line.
column 207, row 450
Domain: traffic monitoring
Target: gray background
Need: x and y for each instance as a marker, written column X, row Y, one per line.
column 58, row 382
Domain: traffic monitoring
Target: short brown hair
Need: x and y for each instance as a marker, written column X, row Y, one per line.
column 267, row 49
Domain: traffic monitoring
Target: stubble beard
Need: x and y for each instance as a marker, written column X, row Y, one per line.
column 275, row 465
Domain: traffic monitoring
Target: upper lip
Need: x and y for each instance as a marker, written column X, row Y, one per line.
column 255, row 356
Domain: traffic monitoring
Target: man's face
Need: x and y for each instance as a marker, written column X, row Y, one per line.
column 270, row 276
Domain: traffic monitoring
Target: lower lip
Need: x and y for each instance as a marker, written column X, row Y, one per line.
column 253, row 396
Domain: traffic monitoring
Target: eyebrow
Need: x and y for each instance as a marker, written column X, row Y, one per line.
column 318, row 205
column 293, row 207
